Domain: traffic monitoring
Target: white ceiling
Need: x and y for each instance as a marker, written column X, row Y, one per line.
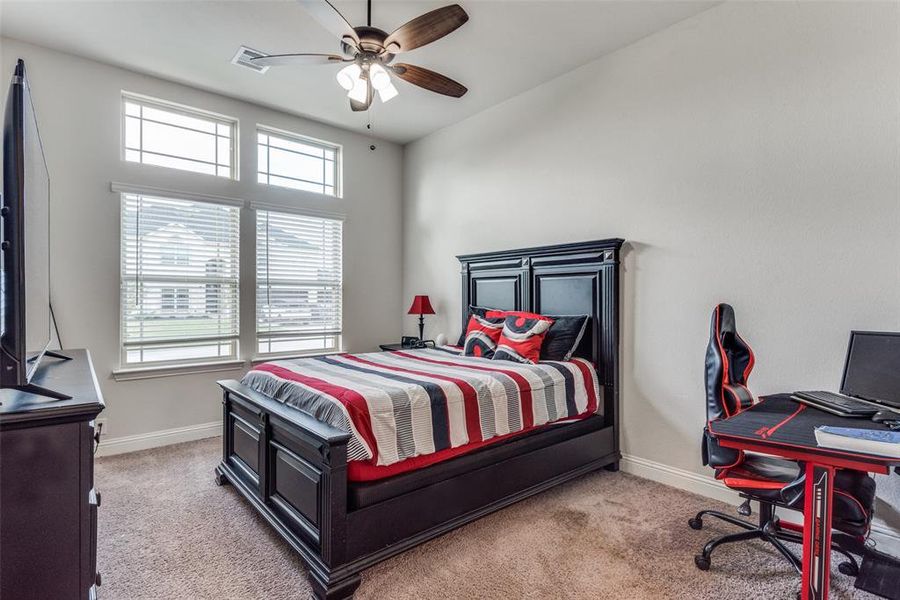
column 506, row 48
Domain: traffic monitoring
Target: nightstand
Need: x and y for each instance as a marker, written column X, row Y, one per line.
column 389, row 347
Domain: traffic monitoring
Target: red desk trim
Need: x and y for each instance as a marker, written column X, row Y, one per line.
column 870, row 464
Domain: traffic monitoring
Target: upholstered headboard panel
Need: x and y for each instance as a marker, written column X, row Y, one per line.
column 566, row 279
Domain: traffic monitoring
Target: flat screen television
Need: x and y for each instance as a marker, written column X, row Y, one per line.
column 25, row 315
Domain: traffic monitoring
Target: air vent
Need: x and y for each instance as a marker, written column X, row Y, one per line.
column 243, row 56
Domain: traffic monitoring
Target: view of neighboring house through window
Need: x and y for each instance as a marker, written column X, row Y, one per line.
column 294, row 161
column 179, row 280
column 175, row 299
column 298, row 283
column 178, row 137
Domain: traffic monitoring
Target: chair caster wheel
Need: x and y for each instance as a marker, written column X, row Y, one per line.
column 702, row 562
column 745, row 509
column 696, row 523
column 848, row 568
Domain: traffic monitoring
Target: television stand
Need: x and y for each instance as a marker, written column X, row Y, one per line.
column 32, row 388
column 55, row 354
column 48, row 525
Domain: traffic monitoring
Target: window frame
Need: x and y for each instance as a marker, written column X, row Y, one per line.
column 257, row 355
column 299, row 138
column 187, row 111
column 177, row 365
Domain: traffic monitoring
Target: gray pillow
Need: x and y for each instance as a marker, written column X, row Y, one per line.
column 563, row 337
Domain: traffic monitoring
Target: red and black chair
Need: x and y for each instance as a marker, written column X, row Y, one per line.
column 772, row 482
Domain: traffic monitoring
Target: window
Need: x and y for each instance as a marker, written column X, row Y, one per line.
column 166, row 135
column 298, row 283
column 179, row 280
column 290, row 160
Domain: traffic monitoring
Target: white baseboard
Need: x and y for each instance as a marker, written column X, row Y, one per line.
column 682, row 479
column 701, row 484
column 678, row 478
column 154, row 439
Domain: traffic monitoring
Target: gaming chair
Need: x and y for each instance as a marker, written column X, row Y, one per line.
column 773, row 482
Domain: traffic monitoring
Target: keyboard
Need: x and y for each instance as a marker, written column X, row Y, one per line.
column 838, row 404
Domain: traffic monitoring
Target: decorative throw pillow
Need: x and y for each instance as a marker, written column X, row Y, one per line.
column 473, row 310
column 563, row 337
column 482, row 335
column 522, row 337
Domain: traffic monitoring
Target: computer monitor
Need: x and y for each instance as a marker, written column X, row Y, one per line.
column 872, row 368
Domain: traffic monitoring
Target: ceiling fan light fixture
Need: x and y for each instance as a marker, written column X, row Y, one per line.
column 387, row 92
column 379, row 76
column 360, row 90
column 348, row 77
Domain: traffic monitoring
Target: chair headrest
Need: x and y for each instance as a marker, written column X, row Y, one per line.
column 729, row 361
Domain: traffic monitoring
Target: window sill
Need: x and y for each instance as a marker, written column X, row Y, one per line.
column 137, row 373
column 258, row 360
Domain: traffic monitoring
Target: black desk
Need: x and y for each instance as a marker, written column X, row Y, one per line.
column 783, row 427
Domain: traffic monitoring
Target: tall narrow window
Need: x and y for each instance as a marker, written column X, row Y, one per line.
column 178, row 137
column 179, row 280
column 298, row 283
column 291, row 160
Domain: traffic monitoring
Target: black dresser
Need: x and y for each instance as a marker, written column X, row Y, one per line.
column 48, row 504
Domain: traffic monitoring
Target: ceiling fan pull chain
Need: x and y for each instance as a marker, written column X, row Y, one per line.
column 369, row 127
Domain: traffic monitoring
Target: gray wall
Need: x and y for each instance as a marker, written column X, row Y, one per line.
column 749, row 154
column 78, row 106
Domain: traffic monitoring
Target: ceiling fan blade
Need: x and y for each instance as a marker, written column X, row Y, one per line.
column 273, row 60
column 429, row 80
column 363, row 106
column 425, row 29
column 331, row 19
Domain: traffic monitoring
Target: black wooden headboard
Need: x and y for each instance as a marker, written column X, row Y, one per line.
column 566, row 279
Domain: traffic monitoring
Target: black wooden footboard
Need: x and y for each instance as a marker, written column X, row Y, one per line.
column 293, row 470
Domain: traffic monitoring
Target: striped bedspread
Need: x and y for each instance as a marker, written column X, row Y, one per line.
column 402, row 404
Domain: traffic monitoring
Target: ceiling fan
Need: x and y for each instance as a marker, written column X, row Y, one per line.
column 370, row 51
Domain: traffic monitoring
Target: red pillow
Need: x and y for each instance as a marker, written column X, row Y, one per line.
column 482, row 335
column 522, row 336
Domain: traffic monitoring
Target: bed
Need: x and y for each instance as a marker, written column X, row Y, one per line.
column 354, row 458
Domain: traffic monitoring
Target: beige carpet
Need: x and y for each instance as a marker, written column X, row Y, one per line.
column 167, row 531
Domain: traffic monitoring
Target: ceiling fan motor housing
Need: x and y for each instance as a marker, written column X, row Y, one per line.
column 371, row 42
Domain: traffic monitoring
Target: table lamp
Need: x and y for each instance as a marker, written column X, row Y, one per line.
column 421, row 306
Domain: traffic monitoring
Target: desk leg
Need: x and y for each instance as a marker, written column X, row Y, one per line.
column 817, row 531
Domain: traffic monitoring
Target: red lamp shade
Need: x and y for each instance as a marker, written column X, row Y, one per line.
column 421, row 305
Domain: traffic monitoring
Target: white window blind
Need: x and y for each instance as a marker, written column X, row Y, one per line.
column 179, row 280
column 298, row 283
column 294, row 161
column 178, row 137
